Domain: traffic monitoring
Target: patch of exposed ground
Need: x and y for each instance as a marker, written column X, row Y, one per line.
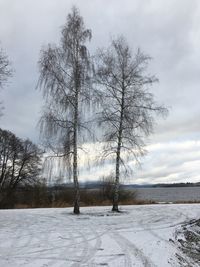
column 187, row 238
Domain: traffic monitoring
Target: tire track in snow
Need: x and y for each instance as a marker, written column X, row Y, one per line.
column 65, row 241
column 40, row 239
column 130, row 249
column 88, row 250
column 24, row 236
column 63, row 257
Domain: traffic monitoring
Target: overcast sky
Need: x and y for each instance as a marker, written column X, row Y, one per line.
column 166, row 30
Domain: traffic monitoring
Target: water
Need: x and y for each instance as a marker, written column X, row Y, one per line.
column 172, row 194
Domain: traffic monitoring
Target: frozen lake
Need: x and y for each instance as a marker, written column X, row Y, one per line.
column 170, row 194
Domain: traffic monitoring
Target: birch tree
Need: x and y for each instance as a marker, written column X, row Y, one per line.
column 128, row 107
column 64, row 79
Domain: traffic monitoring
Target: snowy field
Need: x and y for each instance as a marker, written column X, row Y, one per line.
column 150, row 235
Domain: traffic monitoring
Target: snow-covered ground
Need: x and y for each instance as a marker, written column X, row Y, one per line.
column 138, row 236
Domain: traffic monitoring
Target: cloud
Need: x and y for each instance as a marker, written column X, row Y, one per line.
column 170, row 162
column 168, row 31
column 165, row 162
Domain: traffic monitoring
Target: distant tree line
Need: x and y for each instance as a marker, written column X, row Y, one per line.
column 177, row 185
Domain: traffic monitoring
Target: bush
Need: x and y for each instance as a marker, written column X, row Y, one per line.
column 42, row 196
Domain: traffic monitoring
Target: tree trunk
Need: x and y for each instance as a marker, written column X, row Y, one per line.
column 116, row 186
column 119, row 143
column 75, row 177
column 75, row 164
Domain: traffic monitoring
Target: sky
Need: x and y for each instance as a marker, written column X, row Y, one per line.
column 166, row 30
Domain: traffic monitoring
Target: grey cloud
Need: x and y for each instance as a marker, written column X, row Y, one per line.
column 167, row 30
column 173, row 162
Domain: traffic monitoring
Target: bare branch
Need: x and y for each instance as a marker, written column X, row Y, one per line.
column 128, row 108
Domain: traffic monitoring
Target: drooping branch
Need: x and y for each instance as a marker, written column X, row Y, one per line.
column 65, row 82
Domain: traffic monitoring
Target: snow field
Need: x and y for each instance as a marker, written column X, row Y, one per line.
column 138, row 236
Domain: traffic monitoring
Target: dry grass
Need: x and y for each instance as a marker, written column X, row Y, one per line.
column 42, row 198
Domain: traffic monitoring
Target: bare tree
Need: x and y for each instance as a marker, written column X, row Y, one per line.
column 5, row 71
column 128, row 108
column 65, row 81
column 20, row 164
